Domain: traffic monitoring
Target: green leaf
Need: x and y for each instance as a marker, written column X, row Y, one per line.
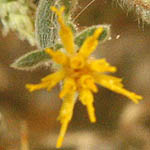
column 46, row 27
column 70, row 5
column 31, row 60
column 89, row 31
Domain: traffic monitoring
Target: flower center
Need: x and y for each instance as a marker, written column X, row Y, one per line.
column 77, row 62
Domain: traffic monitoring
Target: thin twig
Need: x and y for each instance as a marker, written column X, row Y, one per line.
column 83, row 10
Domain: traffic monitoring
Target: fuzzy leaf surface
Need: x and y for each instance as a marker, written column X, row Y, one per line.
column 31, row 60
column 89, row 31
column 46, row 27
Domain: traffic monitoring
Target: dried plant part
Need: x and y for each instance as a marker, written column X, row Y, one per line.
column 141, row 7
column 18, row 16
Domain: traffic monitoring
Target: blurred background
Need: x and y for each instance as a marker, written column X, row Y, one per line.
column 121, row 124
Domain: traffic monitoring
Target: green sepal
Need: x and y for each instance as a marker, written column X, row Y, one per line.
column 31, row 60
column 80, row 38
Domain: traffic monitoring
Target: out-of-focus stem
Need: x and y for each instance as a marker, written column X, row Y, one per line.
column 24, row 136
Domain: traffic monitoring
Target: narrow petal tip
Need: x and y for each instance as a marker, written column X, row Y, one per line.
column 30, row 87
column 136, row 98
column 59, row 142
column 49, row 51
column 57, row 11
column 62, row 134
column 98, row 32
column 93, row 120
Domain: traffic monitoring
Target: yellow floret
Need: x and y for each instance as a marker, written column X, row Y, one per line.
column 79, row 75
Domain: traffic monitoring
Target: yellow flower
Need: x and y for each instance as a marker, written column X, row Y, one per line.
column 79, row 74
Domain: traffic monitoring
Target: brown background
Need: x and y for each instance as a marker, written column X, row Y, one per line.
column 121, row 125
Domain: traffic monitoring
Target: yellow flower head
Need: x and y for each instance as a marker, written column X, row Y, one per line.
column 79, row 74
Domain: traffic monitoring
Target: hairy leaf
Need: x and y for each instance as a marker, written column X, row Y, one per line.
column 140, row 7
column 46, row 24
column 31, row 60
column 89, row 31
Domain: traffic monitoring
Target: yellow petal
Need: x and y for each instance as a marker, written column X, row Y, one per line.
column 90, row 43
column 65, row 116
column 101, row 65
column 87, row 82
column 56, row 76
column 63, row 129
column 86, row 97
column 65, row 31
column 69, row 86
column 47, row 82
column 57, row 56
column 34, row 87
column 112, row 79
column 114, row 85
